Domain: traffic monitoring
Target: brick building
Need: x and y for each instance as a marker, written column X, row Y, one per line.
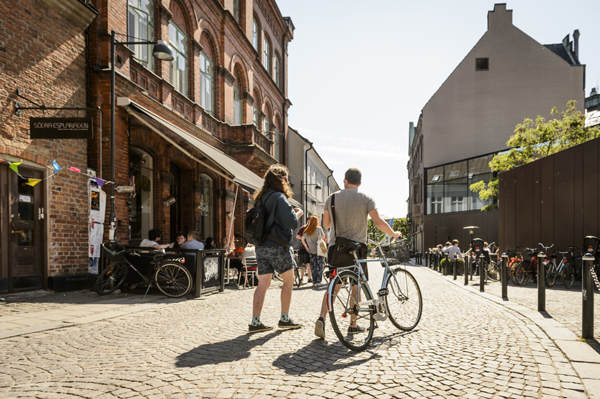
column 192, row 135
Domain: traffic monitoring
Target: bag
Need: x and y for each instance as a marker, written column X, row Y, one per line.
column 337, row 258
column 256, row 223
column 321, row 247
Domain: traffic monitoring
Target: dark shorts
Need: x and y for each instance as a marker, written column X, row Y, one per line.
column 271, row 259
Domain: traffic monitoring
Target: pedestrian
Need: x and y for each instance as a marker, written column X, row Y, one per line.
column 303, row 256
column 275, row 253
column 313, row 236
column 349, row 221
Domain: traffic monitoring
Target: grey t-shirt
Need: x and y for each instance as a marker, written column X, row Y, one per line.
column 313, row 238
column 351, row 211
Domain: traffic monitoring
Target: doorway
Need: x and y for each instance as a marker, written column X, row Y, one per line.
column 22, row 235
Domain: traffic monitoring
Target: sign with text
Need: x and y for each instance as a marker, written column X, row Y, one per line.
column 60, row 128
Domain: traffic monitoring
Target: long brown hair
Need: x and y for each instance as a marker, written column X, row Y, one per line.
column 274, row 179
column 313, row 223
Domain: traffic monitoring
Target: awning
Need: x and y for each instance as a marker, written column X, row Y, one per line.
column 234, row 171
column 238, row 173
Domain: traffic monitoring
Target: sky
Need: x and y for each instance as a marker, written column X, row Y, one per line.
column 360, row 70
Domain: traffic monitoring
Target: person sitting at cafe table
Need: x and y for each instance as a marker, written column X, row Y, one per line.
column 154, row 237
column 179, row 240
column 192, row 241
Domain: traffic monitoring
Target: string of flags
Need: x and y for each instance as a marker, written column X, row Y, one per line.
column 57, row 168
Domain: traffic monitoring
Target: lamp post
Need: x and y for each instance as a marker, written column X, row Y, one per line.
column 468, row 264
column 161, row 51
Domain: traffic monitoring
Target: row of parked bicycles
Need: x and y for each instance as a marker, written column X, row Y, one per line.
column 563, row 266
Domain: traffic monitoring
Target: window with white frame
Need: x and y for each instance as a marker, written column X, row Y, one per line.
column 457, row 204
column 277, row 72
column 255, row 34
column 266, row 126
column 140, row 27
column 206, row 83
column 267, row 55
column 236, row 10
column 237, row 106
column 313, row 181
column 178, row 41
column 255, row 116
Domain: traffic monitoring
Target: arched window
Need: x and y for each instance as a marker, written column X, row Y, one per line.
column 140, row 27
column 277, row 71
column 255, row 33
column 206, row 83
column 140, row 212
column 178, row 41
column 206, row 206
column 267, row 55
column 237, row 106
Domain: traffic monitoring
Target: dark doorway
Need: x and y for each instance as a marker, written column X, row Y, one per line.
column 176, row 209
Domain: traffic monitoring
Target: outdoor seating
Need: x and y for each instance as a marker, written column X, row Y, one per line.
column 249, row 271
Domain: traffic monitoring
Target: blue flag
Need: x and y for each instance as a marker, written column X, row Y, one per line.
column 56, row 167
column 392, row 222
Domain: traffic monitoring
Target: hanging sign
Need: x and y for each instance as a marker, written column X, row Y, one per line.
column 60, row 128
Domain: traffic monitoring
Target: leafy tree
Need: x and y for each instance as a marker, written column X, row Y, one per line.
column 535, row 140
column 375, row 234
column 401, row 225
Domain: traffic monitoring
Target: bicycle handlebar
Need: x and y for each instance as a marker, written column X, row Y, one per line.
column 545, row 247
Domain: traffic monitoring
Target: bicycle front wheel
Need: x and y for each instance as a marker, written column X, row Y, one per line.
column 568, row 274
column 493, row 271
column 351, row 311
column 551, row 274
column 403, row 300
column 172, row 279
column 522, row 275
column 111, row 278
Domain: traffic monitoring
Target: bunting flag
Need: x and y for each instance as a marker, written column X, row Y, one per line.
column 15, row 166
column 74, row 169
column 56, row 167
column 99, row 181
column 32, row 182
column 392, row 222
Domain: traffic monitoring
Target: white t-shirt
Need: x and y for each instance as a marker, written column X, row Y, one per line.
column 147, row 243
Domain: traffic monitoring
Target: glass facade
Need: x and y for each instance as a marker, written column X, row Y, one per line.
column 448, row 186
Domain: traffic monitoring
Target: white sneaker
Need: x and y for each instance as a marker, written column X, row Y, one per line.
column 320, row 329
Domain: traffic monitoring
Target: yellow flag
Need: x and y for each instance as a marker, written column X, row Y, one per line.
column 32, row 182
column 14, row 166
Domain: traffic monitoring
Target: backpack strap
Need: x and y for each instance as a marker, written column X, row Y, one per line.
column 333, row 212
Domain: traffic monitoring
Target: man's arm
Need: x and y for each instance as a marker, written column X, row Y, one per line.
column 326, row 220
column 381, row 224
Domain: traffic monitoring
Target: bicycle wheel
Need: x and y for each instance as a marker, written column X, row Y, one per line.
column 551, row 274
column 522, row 275
column 493, row 271
column 172, row 279
column 512, row 272
column 403, row 300
column 568, row 274
column 111, row 278
column 346, row 309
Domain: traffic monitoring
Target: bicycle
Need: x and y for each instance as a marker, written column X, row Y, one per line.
column 564, row 270
column 399, row 297
column 527, row 269
column 170, row 276
column 515, row 258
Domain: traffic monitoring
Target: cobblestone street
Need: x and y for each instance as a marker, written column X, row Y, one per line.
column 465, row 346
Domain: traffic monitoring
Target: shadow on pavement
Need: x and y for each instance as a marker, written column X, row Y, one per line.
column 225, row 351
column 320, row 356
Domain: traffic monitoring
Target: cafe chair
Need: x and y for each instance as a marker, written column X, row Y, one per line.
column 249, row 269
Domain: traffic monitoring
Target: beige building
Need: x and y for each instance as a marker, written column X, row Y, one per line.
column 505, row 78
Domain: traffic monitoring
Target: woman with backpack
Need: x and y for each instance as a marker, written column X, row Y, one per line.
column 313, row 237
column 275, row 253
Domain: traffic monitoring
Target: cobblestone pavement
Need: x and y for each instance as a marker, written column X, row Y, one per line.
column 465, row 346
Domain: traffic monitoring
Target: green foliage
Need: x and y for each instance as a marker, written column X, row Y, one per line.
column 373, row 233
column 535, row 140
column 402, row 226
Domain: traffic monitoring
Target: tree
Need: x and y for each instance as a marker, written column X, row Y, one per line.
column 535, row 140
column 373, row 233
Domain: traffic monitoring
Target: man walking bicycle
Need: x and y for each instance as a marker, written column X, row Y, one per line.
column 348, row 219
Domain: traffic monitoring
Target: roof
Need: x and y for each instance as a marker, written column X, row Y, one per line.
column 560, row 50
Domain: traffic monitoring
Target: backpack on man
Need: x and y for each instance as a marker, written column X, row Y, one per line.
column 257, row 230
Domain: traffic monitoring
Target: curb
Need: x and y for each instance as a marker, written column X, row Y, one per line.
column 584, row 360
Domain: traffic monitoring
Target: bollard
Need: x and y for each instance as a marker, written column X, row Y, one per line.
column 541, row 282
column 427, row 264
column 587, row 291
column 481, row 273
column 454, row 271
column 503, row 276
column 446, row 268
column 471, row 269
column 467, row 269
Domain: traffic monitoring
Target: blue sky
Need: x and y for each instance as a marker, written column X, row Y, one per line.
column 360, row 71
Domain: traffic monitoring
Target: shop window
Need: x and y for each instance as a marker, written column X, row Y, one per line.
column 178, row 42
column 140, row 205
column 140, row 27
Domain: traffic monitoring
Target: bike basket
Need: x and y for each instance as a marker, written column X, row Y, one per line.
column 590, row 245
column 112, row 251
column 396, row 253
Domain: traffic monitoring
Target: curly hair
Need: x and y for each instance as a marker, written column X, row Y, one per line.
column 274, row 179
column 313, row 223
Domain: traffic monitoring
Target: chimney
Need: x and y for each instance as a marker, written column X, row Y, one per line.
column 500, row 17
column 576, row 42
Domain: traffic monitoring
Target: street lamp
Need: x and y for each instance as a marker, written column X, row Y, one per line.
column 161, row 51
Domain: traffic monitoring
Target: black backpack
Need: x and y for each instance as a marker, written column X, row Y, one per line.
column 256, row 222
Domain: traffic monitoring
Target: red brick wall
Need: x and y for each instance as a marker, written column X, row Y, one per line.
column 43, row 55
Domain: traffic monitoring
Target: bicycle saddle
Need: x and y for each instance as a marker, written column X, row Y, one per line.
column 350, row 247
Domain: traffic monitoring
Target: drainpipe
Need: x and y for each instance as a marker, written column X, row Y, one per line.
column 283, row 159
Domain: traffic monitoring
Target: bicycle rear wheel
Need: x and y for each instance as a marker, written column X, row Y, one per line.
column 346, row 309
column 174, row 280
column 493, row 271
column 111, row 278
column 522, row 275
column 403, row 300
column 551, row 274
column 568, row 274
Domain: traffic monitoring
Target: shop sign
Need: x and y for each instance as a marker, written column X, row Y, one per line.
column 60, row 128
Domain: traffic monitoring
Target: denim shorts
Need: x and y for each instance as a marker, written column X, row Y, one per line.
column 269, row 259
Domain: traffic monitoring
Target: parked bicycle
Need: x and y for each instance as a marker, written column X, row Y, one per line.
column 169, row 275
column 350, row 300
column 564, row 270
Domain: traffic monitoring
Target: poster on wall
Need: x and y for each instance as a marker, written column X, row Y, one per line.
column 97, row 213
